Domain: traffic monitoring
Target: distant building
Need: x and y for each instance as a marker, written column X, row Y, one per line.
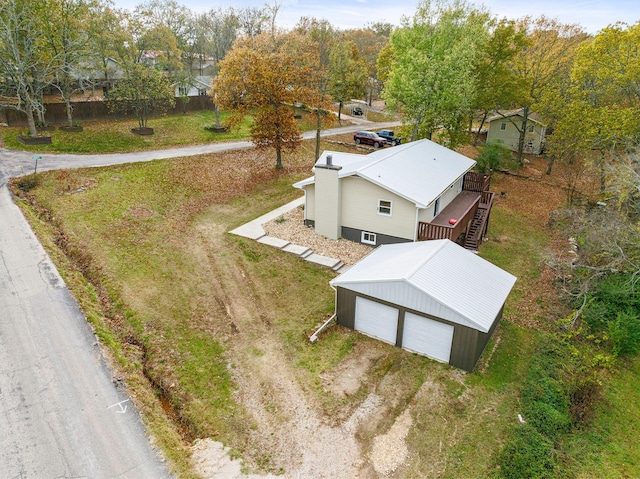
column 505, row 126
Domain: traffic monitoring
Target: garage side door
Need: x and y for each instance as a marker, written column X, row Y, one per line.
column 376, row 319
column 428, row 337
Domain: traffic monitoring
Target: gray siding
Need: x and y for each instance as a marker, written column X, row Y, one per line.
column 353, row 234
column 468, row 343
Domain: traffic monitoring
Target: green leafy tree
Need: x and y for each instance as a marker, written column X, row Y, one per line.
column 26, row 66
column 431, row 75
column 495, row 84
column 598, row 114
column 143, row 92
column 541, row 66
column 68, row 41
column 347, row 73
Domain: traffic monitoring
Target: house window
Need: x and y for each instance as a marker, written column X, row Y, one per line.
column 368, row 238
column 182, row 91
column 503, row 126
column 384, row 207
column 202, row 91
column 436, row 208
column 530, row 128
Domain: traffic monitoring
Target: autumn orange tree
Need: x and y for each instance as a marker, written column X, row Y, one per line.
column 265, row 76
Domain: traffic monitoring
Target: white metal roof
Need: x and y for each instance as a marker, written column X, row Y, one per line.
column 436, row 277
column 418, row 171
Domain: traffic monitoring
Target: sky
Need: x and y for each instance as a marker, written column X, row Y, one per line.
column 592, row 15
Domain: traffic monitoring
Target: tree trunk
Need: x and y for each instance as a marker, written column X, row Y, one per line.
column 339, row 109
column 217, row 109
column 278, row 158
column 603, row 174
column 318, row 128
column 67, row 102
column 33, row 132
column 551, row 162
column 475, row 139
column 523, row 132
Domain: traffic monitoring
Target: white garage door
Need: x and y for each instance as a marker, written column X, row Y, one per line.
column 377, row 320
column 426, row 336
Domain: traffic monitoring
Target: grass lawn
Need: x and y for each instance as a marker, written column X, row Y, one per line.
column 210, row 323
column 114, row 136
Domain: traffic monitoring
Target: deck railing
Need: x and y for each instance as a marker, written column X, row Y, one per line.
column 429, row 231
column 477, row 182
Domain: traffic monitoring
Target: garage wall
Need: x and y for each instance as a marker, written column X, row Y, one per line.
column 468, row 343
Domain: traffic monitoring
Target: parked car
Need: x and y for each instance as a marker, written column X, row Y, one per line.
column 356, row 111
column 369, row 138
column 390, row 137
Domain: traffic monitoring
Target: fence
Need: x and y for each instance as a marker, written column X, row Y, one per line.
column 97, row 110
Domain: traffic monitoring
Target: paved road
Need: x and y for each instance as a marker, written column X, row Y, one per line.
column 61, row 416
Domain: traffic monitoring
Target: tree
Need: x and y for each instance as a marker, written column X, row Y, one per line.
column 347, row 73
column 495, row 84
column 369, row 42
column 599, row 110
column 265, row 76
column 26, row 67
column 321, row 37
column 68, row 42
column 542, row 65
column 143, row 92
column 110, row 38
column 431, row 74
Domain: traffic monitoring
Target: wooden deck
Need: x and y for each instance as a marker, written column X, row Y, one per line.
column 465, row 219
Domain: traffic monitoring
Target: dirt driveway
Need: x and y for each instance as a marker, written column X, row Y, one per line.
column 295, row 436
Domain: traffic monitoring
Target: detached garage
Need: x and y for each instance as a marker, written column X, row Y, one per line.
column 431, row 297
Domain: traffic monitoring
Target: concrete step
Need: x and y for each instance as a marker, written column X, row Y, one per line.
column 338, row 266
column 271, row 241
column 302, row 251
column 322, row 260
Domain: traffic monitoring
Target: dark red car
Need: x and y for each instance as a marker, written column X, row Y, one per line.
column 369, row 138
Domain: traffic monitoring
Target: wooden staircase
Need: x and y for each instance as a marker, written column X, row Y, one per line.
column 478, row 228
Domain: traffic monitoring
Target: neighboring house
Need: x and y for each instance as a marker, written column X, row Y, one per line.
column 506, row 126
column 433, row 297
column 196, row 86
column 411, row 192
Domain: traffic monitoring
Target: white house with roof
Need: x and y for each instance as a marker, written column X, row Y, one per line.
column 506, row 126
column 434, row 298
column 195, row 86
column 415, row 191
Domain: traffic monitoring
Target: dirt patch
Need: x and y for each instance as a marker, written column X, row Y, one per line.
column 346, row 378
column 141, row 213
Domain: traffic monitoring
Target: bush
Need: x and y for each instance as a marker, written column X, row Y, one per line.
column 624, row 332
column 27, row 183
column 527, row 454
column 613, row 311
column 492, row 156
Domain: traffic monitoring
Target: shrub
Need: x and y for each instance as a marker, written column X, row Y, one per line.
column 624, row 332
column 29, row 182
column 492, row 156
column 527, row 454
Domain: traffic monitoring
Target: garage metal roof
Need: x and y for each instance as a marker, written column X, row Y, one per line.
column 418, row 171
column 437, row 277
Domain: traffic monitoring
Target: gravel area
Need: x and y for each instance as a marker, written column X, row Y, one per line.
column 290, row 227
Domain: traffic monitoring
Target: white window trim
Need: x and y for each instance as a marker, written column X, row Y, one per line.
column 390, row 207
column 370, row 240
